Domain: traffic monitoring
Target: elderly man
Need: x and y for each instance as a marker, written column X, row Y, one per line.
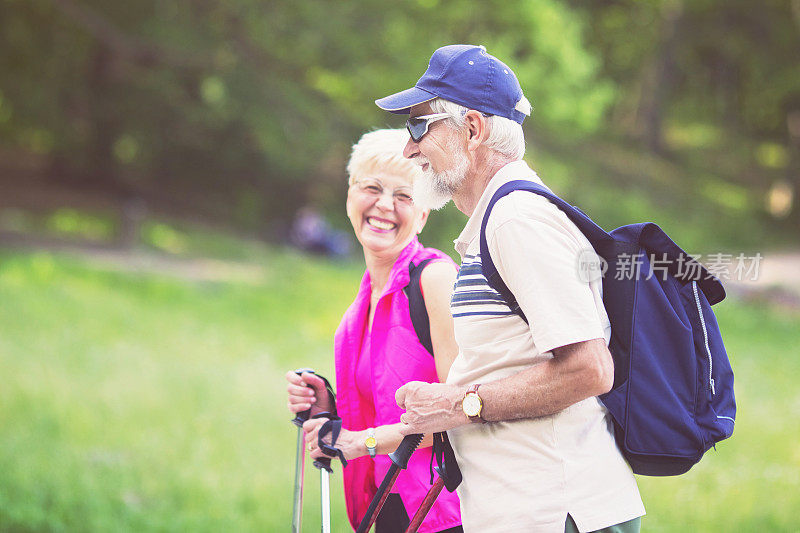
column 534, row 443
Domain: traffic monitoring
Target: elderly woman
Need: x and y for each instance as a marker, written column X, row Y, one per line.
column 376, row 347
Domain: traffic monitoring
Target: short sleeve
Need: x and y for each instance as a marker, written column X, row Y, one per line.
column 536, row 252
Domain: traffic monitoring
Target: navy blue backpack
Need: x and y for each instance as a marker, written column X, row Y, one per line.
column 672, row 397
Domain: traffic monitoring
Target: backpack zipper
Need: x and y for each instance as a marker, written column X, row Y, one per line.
column 705, row 336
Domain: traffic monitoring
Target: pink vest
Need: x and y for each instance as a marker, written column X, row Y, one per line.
column 397, row 357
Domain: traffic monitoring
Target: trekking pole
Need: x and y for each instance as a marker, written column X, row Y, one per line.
column 325, row 470
column 425, row 506
column 449, row 476
column 325, row 493
column 399, row 459
column 299, row 465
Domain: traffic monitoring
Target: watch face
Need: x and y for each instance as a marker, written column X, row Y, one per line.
column 471, row 405
column 370, row 442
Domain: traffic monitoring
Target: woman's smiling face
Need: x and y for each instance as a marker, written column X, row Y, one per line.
column 383, row 216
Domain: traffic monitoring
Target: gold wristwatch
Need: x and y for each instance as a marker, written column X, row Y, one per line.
column 472, row 405
column 371, row 442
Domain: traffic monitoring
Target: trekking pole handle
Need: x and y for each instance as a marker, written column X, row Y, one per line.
column 323, row 462
column 403, row 452
column 303, row 416
column 399, row 459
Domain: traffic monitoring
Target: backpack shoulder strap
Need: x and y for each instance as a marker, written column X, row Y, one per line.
column 592, row 231
column 416, row 304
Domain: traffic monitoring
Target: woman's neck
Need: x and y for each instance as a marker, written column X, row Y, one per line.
column 379, row 267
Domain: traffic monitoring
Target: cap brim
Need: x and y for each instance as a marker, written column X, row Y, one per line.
column 402, row 102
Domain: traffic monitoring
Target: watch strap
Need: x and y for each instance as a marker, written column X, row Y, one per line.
column 371, row 442
column 473, row 390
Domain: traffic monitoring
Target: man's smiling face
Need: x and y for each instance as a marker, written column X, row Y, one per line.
column 442, row 156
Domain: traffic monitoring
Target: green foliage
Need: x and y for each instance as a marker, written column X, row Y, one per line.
column 144, row 402
column 254, row 97
column 244, row 111
column 725, row 63
column 71, row 222
column 617, row 184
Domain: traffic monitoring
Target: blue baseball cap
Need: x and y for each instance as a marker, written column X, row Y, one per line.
column 469, row 76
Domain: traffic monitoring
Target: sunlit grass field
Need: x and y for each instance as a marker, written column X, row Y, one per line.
column 141, row 402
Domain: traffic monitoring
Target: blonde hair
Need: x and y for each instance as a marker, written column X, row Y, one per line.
column 381, row 151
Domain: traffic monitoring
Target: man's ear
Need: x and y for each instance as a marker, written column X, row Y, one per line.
column 477, row 129
column 423, row 219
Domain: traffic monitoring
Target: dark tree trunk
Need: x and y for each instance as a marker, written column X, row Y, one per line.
column 659, row 79
column 793, row 168
column 101, row 169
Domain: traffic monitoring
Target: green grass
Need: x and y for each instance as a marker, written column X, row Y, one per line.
column 146, row 403
column 135, row 402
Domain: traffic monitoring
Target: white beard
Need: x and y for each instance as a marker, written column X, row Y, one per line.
column 434, row 189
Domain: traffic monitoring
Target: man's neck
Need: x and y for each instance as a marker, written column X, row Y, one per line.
column 468, row 195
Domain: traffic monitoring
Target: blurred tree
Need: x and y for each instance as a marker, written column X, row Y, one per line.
column 244, row 110
column 730, row 66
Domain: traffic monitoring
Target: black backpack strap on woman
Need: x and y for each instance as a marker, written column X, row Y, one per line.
column 416, row 304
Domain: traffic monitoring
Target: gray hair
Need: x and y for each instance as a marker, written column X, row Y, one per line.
column 505, row 135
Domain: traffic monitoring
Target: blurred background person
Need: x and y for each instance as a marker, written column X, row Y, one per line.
column 376, row 347
column 311, row 233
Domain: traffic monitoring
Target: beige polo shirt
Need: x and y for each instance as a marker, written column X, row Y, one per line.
column 526, row 475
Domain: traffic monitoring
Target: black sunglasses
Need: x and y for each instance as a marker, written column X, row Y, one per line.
column 418, row 126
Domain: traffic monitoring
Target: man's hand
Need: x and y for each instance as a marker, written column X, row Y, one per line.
column 430, row 407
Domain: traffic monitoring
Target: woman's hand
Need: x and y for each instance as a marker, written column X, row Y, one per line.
column 350, row 442
column 307, row 391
